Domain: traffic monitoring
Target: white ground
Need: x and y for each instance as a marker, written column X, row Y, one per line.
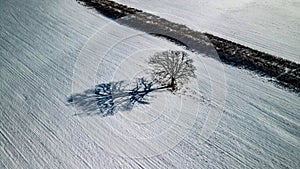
column 41, row 48
column 268, row 25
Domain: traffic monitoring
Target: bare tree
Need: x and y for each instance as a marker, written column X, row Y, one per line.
column 172, row 68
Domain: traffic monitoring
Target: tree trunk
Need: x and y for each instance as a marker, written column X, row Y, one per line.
column 173, row 83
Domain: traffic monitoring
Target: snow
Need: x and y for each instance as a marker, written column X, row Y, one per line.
column 268, row 25
column 50, row 50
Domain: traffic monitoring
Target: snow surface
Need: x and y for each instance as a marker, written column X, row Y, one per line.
column 271, row 26
column 50, row 50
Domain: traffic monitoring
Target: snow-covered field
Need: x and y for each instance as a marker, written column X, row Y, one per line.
column 51, row 49
column 271, row 26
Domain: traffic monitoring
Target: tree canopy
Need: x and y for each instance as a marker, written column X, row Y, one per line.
column 172, row 68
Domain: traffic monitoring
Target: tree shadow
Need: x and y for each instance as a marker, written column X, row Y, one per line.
column 109, row 98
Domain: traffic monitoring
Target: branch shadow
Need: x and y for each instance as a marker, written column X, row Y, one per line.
column 109, row 98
